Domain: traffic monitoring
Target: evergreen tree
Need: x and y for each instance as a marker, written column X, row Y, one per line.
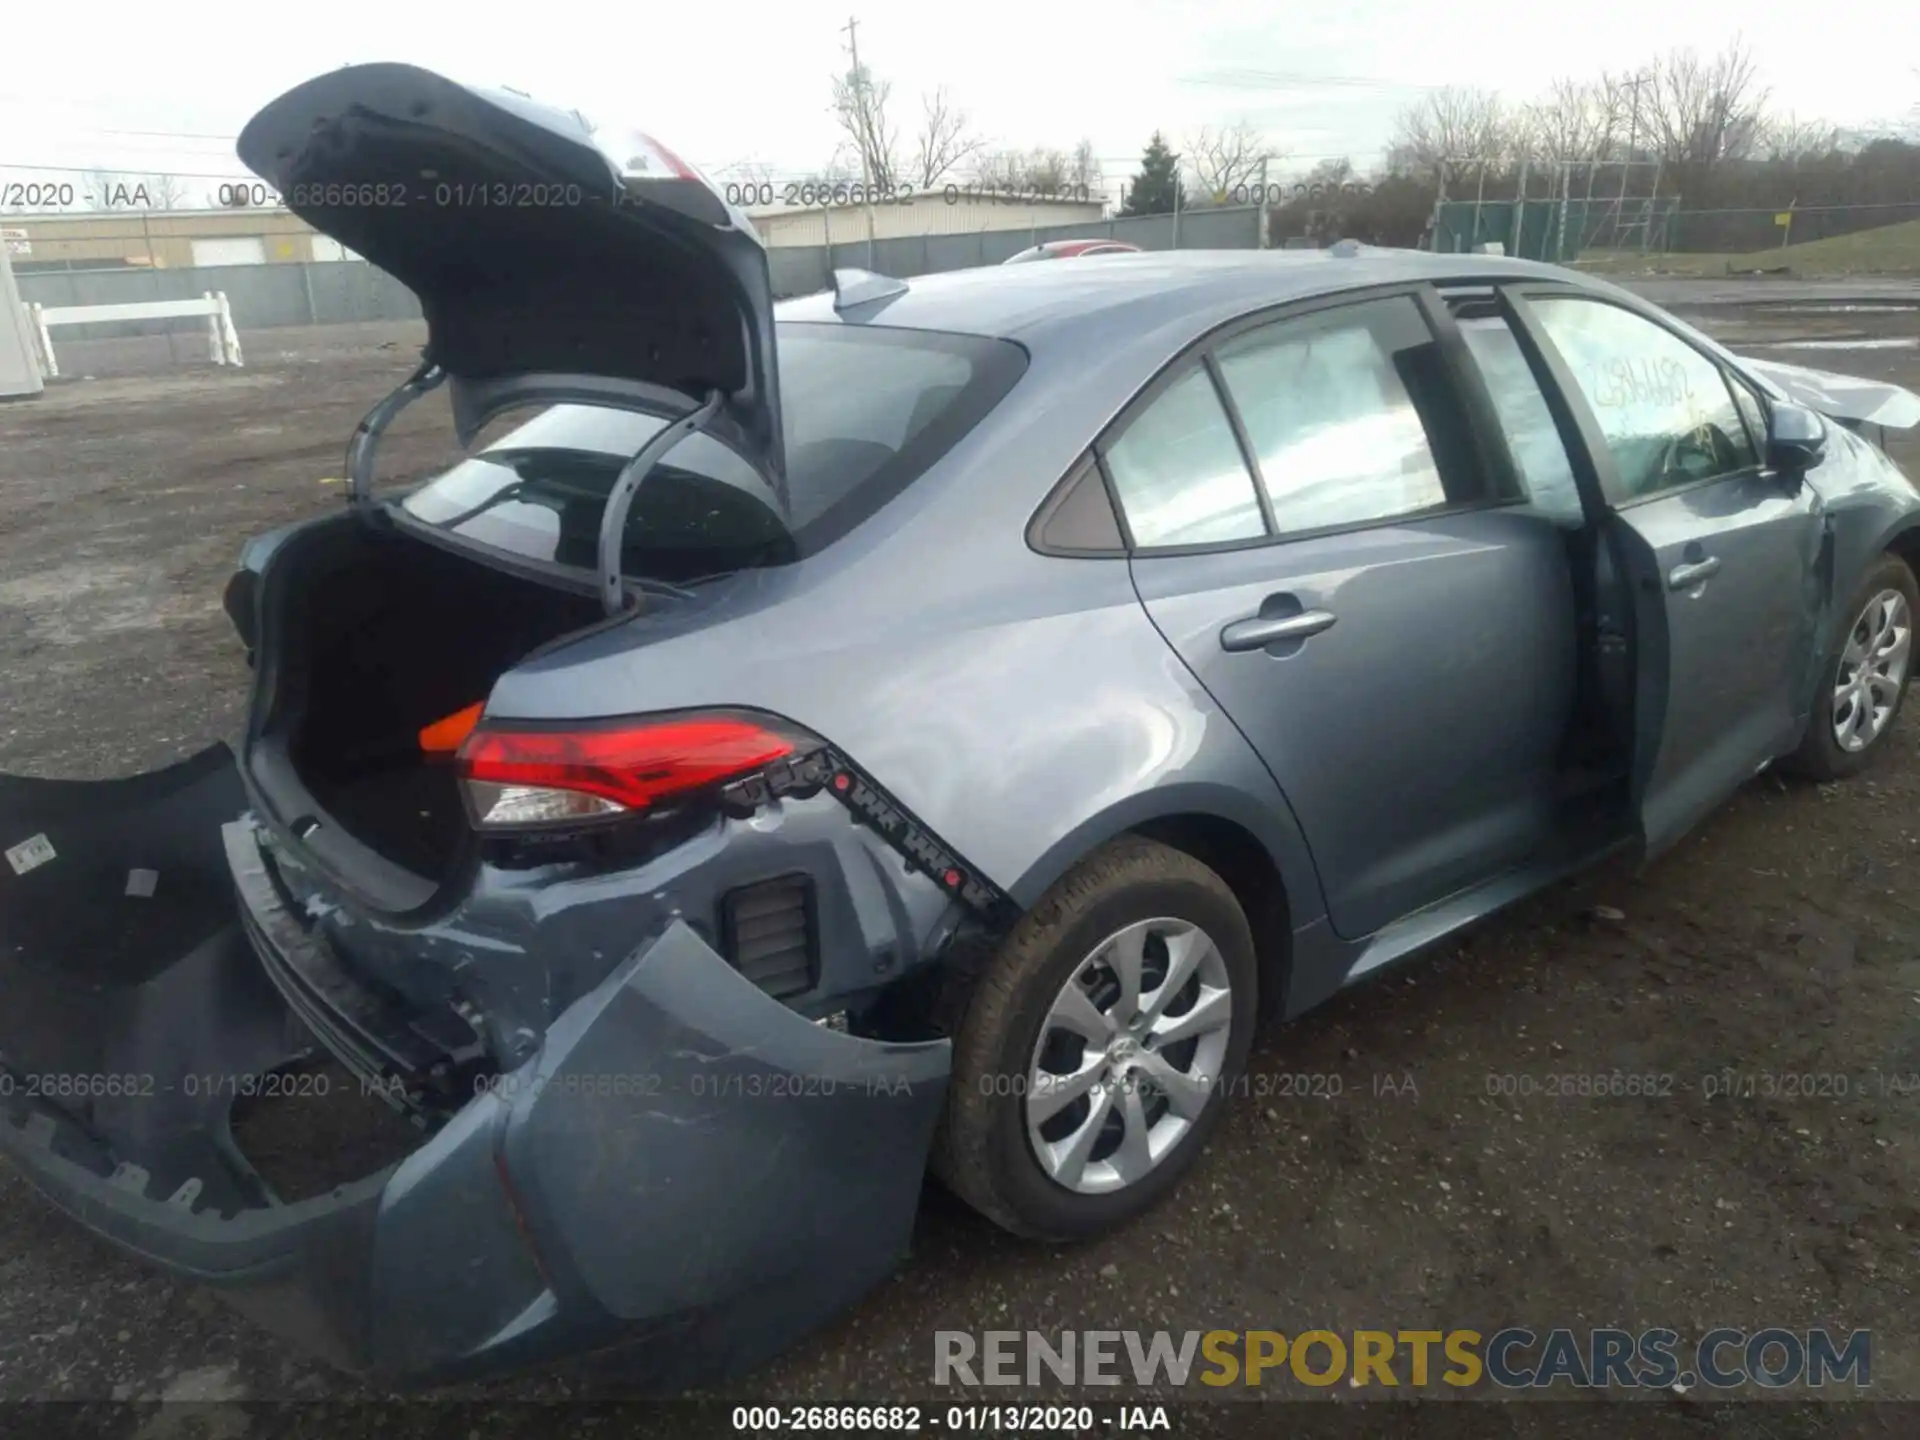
column 1156, row 189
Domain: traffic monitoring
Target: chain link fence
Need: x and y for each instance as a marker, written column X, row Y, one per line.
column 303, row 280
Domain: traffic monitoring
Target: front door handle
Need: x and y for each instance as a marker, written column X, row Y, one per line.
column 1260, row 631
column 1685, row 577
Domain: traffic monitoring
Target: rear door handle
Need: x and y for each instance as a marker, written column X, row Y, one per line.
column 1260, row 631
column 1685, row 577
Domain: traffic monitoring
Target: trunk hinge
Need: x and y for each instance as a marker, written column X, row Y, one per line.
column 367, row 435
column 613, row 520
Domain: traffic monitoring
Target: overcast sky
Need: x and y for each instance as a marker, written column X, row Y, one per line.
column 727, row 83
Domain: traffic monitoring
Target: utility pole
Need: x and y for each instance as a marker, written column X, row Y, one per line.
column 1519, row 230
column 852, row 28
column 1261, row 243
column 1626, row 166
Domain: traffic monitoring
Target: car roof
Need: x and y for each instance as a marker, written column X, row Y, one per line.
column 1042, row 305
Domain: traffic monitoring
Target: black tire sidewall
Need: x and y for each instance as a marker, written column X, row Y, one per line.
column 1018, row 1178
column 1820, row 756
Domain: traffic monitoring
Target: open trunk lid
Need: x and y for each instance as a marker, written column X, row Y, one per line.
column 553, row 261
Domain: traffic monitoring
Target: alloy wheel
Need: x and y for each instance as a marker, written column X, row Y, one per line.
column 1128, row 1055
column 1873, row 668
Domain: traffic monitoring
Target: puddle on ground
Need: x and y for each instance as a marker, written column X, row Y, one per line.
column 1895, row 342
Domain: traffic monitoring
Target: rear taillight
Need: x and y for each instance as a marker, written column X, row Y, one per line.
column 525, row 778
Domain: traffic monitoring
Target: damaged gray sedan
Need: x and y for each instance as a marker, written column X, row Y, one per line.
column 919, row 728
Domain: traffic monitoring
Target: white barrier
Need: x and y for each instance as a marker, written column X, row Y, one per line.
column 222, row 339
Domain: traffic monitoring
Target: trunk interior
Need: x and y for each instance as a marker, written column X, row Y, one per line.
column 373, row 636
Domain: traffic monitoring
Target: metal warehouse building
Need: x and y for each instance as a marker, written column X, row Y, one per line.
column 162, row 239
column 178, row 239
column 932, row 213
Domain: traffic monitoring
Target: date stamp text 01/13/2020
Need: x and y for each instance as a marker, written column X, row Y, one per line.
column 440, row 193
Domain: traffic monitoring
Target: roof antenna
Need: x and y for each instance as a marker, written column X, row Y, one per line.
column 863, row 287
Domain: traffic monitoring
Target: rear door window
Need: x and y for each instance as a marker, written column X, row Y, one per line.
column 865, row 411
column 1328, row 404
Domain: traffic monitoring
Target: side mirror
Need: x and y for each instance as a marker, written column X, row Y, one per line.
column 1796, row 438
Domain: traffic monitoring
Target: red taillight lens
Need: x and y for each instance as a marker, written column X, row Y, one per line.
column 545, row 777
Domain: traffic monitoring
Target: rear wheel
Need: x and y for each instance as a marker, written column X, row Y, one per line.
column 1099, row 1048
column 1865, row 679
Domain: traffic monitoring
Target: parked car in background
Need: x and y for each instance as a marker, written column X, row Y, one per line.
column 915, row 727
column 1071, row 249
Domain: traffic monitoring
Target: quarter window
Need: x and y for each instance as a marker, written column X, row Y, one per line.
column 1179, row 473
column 1330, row 412
column 1663, row 408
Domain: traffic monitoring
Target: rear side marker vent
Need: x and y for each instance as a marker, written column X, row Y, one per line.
column 767, row 933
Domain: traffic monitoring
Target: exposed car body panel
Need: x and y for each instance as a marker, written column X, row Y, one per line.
column 522, row 946
column 1844, row 397
column 120, row 956
column 557, row 1211
column 670, row 1155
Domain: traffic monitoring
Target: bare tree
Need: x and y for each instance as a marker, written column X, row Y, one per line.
column 1327, row 176
column 1223, row 159
column 1048, row 171
column 945, row 142
column 751, row 181
column 103, row 189
column 1575, row 120
column 999, row 169
column 1701, row 112
column 860, row 104
column 1083, row 170
column 1039, row 171
column 1788, row 137
column 1433, row 135
column 100, row 188
column 835, row 175
column 166, row 192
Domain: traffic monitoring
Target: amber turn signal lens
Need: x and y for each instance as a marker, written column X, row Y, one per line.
column 445, row 736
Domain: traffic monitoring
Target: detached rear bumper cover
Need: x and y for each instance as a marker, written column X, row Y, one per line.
column 685, row 1164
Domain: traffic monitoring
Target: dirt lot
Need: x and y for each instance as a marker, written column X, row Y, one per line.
column 1784, row 939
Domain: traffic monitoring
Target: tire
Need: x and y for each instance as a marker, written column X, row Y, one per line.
column 985, row 1152
column 1821, row 756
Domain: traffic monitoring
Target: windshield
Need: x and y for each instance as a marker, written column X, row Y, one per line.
column 865, row 410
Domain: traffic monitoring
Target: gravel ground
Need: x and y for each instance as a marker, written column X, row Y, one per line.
column 1783, row 938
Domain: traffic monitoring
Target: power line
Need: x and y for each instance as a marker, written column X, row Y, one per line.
column 120, row 171
column 777, row 176
column 171, row 134
column 1273, row 79
column 88, row 133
